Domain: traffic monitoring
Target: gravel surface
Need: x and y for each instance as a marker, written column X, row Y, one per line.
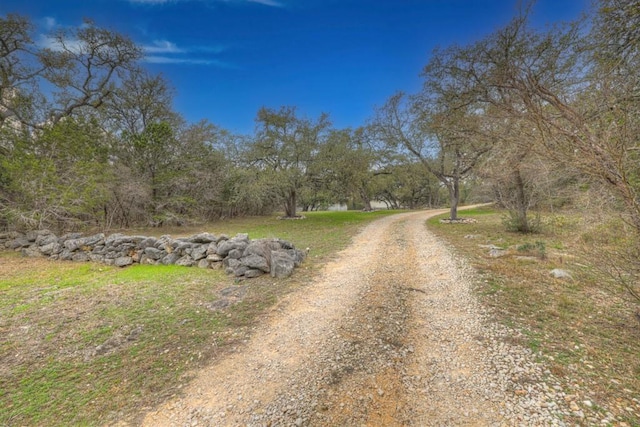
column 389, row 334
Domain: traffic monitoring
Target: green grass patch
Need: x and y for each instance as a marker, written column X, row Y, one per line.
column 89, row 344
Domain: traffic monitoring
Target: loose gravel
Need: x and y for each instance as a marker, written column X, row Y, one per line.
column 388, row 335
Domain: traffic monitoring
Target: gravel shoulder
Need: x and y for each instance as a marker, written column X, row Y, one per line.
column 389, row 334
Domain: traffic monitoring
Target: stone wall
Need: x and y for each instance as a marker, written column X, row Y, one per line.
column 238, row 255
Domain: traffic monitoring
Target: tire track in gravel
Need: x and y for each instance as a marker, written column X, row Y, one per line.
column 388, row 335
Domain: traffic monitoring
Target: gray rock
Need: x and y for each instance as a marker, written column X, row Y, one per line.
column 66, row 255
column 149, row 242
column 212, row 248
column 20, row 242
column 235, row 254
column 75, row 244
column 69, row 236
column 242, row 237
column 231, row 263
column 52, row 248
column 32, row 236
column 154, row 253
column 46, row 239
column 138, row 239
column 170, row 258
column 31, row 251
column 251, row 273
column 199, row 252
column 94, row 240
column 203, row 263
column 185, row 261
column 297, row 255
column 254, row 261
column 240, row 270
column 100, row 249
column 262, row 247
column 116, row 239
column 228, row 245
column 561, row 274
column 182, row 245
column 214, row 258
column 202, row 238
column 282, row 264
column 167, row 243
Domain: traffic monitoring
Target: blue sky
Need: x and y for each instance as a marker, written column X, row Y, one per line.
column 228, row 58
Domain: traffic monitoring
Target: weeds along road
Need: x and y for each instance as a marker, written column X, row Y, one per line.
column 388, row 335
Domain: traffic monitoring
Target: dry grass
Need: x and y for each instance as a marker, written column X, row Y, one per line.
column 586, row 327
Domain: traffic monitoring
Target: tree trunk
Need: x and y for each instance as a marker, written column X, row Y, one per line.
column 290, row 205
column 521, row 204
column 454, row 198
column 366, row 200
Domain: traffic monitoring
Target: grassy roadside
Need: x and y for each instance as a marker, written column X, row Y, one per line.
column 88, row 344
column 584, row 327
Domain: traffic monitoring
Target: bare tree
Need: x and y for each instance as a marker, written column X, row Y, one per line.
column 447, row 141
column 81, row 65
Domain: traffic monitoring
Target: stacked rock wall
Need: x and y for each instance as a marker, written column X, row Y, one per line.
column 239, row 255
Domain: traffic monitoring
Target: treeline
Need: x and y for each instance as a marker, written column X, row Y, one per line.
column 530, row 118
column 89, row 138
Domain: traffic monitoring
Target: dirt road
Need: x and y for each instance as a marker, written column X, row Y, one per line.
column 388, row 335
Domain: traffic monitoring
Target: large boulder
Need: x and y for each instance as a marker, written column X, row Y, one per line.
column 262, row 247
column 282, row 264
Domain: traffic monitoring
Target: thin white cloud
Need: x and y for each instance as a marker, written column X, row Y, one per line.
column 158, row 59
column 168, row 52
column 163, row 46
column 267, row 3
column 48, row 42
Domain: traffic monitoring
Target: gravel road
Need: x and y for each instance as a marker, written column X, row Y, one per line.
column 388, row 335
